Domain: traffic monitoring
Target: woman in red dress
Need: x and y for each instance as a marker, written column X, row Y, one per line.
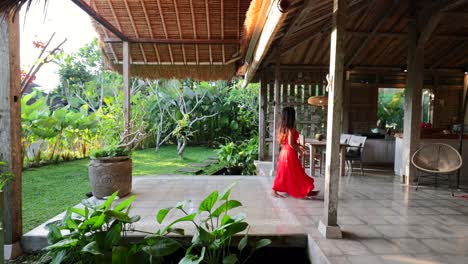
column 291, row 177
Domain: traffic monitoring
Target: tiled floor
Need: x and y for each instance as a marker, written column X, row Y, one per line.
column 382, row 220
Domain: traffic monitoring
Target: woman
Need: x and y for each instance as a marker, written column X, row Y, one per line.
column 291, row 177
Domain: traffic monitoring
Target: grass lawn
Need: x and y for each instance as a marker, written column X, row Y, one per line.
column 50, row 190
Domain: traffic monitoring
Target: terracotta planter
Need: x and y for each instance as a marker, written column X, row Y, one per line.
column 108, row 175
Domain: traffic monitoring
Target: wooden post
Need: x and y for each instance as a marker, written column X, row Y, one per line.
column 276, row 116
column 465, row 99
column 10, row 132
column 126, row 85
column 346, row 103
column 413, row 95
column 328, row 225
column 261, row 118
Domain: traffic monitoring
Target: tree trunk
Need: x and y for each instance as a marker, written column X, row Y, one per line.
column 181, row 147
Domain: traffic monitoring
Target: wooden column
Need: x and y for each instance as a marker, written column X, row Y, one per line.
column 126, row 85
column 262, row 117
column 10, row 132
column 413, row 95
column 346, row 103
column 465, row 90
column 276, row 116
column 328, row 225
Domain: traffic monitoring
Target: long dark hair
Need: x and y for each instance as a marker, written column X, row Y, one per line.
column 286, row 123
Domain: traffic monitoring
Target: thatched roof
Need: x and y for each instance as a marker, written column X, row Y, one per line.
column 376, row 35
column 171, row 38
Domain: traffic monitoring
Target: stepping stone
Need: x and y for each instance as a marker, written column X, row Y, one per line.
column 209, row 162
column 199, row 165
column 213, row 158
column 189, row 170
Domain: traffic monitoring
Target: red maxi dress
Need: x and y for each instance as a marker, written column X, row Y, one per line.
column 291, row 177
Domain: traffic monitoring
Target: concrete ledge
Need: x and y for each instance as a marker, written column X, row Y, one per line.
column 12, row 251
column 263, row 167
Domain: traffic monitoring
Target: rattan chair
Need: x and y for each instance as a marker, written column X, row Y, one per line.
column 354, row 151
column 436, row 159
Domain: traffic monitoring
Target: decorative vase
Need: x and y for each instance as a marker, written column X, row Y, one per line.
column 108, row 175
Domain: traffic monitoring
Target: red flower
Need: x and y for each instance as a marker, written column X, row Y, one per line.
column 25, row 76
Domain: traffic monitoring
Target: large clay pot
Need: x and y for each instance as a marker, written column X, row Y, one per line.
column 108, row 175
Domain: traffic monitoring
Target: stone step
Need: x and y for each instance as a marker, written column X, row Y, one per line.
column 190, row 170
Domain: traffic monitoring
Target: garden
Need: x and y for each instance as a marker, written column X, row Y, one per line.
column 174, row 123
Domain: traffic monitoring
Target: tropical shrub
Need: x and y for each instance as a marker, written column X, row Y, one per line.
column 242, row 154
column 94, row 234
column 215, row 230
column 5, row 176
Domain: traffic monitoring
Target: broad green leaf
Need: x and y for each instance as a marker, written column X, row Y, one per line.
column 234, row 228
column 118, row 215
column 54, row 234
column 262, row 243
column 113, row 235
column 92, row 248
column 120, row 255
column 107, row 204
column 228, row 205
column 243, row 242
column 226, row 220
column 63, row 244
column 160, row 246
column 231, row 259
column 187, row 218
column 209, row 202
column 58, row 257
column 227, row 192
column 192, row 259
column 134, row 219
column 71, row 224
column 162, row 214
column 179, row 231
column 79, row 211
column 99, row 221
column 121, row 206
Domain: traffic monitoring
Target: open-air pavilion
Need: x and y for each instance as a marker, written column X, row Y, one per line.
column 290, row 47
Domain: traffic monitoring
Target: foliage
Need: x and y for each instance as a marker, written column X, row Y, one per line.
column 97, row 234
column 241, row 154
column 391, row 108
column 109, row 152
column 5, row 177
column 55, row 180
column 215, row 229
column 94, row 233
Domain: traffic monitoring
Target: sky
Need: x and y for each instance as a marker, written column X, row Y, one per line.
column 65, row 19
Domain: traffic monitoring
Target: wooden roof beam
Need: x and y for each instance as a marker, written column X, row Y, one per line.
column 192, row 13
column 222, row 29
column 305, row 34
column 100, row 19
column 383, row 16
column 150, row 30
column 116, row 59
column 132, row 21
column 208, row 28
column 164, row 29
column 175, row 41
column 180, row 29
column 276, row 15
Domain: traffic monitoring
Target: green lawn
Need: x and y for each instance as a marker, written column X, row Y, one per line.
column 51, row 189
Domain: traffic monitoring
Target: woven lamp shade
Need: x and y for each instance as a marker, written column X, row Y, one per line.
column 321, row 100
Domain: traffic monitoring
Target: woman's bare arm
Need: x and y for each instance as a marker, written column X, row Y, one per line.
column 292, row 142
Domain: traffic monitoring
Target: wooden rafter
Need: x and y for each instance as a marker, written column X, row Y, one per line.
column 238, row 22
column 148, row 23
column 180, row 29
column 311, row 32
column 192, row 13
column 383, row 16
column 460, row 47
column 175, row 41
column 164, row 28
column 208, row 28
column 116, row 59
column 132, row 21
column 100, row 19
column 111, row 6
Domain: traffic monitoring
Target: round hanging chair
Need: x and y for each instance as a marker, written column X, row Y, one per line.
column 436, row 158
column 319, row 100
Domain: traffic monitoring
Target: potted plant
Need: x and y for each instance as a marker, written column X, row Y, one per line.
column 110, row 168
